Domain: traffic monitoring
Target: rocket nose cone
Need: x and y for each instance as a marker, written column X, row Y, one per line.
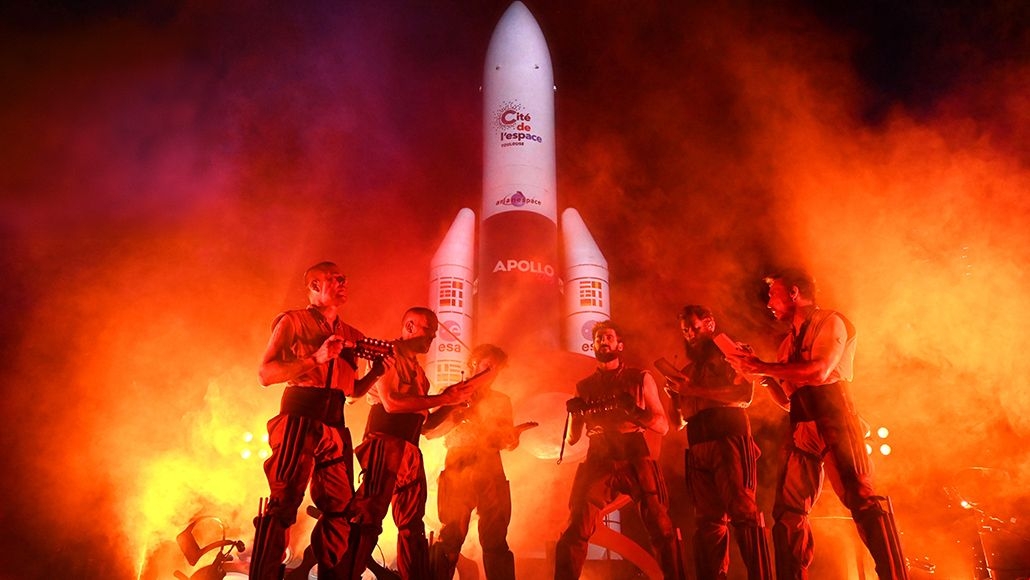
column 580, row 247
column 516, row 20
column 517, row 37
column 516, row 10
column 459, row 243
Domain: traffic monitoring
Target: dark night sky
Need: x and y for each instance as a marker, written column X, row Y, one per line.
column 169, row 169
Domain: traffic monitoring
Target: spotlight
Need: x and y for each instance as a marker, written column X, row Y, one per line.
column 877, row 442
column 253, row 448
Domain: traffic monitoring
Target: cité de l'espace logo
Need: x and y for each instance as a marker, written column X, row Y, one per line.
column 515, row 125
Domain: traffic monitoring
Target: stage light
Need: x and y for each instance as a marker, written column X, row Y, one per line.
column 875, row 441
column 252, row 447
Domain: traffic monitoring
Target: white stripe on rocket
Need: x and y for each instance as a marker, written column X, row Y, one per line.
column 519, row 175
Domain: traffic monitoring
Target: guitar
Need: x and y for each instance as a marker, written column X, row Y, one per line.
column 580, row 407
column 373, row 349
column 454, row 412
column 674, row 379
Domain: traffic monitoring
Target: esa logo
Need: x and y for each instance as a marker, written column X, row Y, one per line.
column 449, row 342
column 587, row 332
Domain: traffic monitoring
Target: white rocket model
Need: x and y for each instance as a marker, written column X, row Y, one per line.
column 518, row 287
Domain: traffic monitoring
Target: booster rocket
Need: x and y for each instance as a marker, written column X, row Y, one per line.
column 517, row 295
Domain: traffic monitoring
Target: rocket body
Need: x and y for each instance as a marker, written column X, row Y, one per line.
column 538, row 306
column 521, row 303
column 519, row 285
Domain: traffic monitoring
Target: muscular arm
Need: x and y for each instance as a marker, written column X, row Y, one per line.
column 379, row 368
column 396, row 401
column 653, row 417
column 279, row 363
column 720, row 383
column 441, row 421
column 779, row 396
column 827, row 350
column 675, row 415
column 576, row 429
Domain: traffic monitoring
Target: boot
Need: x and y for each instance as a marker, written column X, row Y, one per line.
column 362, row 543
column 269, row 547
column 793, row 546
column 754, row 550
column 499, row 565
column 711, row 555
column 669, row 560
column 412, row 552
column 441, row 563
column 878, row 531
